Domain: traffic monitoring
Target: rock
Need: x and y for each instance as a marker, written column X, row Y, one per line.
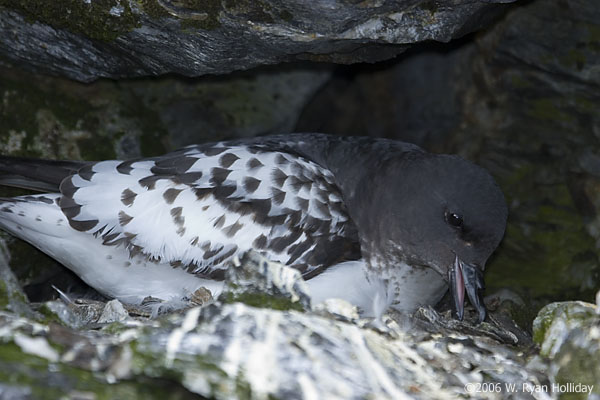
column 245, row 104
column 201, row 296
column 61, row 313
column 37, row 346
column 85, row 313
column 12, row 392
column 57, row 118
column 260, row 351
column 256, row 281
column 508, row 305
column 555, row 322
column 86, row 362
column 12, row 297
column 569, row 335
column 338, row 309
column 294, row 355
column 113, row 312
column 237, row 351
column 117, row 39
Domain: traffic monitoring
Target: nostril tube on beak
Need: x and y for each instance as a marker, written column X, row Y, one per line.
column 467, row 277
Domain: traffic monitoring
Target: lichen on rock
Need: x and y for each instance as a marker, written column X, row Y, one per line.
column 99, row 19
column 256, row 281
column 569, row 336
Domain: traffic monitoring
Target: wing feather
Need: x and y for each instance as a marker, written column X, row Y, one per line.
column 198, row 207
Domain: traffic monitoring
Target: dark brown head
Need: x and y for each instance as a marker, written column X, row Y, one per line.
column 438, row 211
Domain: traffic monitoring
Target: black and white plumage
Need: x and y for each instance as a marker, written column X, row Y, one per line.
column 378, row 222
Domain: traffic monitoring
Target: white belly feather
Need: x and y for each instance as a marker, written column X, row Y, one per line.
column 405, row 288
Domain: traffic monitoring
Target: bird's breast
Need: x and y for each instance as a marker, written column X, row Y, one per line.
column 408, row 287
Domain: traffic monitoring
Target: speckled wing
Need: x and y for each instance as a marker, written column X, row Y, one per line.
column 196, row 208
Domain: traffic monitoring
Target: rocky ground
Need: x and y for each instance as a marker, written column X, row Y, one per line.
column 263, row 339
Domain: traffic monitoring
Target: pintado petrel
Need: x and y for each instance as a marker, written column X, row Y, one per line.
column 377, row 222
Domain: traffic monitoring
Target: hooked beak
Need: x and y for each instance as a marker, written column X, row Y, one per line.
column 467, row 276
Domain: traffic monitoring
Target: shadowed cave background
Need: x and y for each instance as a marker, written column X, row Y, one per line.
column 520, row 97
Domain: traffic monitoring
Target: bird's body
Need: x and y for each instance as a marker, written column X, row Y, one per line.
column 166, row 226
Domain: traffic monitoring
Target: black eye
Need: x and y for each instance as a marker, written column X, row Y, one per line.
column 454, row 219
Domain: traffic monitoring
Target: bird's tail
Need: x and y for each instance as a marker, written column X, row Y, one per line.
column 36, row 174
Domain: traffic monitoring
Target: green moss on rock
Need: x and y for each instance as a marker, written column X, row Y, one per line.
column 430, row 6
column 146, row 361
column 577, row 363
column 153, row 9
column 254, row 10
column 554, row 322
column 4, row 296
column 48, row 316
column 569, row 336
column 262, row 300
column 47, row 118
column 96, row 148
column 546, row 249
column 98, row 19
column 64, row 381
column 546, row 110
column 8, row 297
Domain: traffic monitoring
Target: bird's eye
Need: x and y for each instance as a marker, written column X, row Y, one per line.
column 454, row 219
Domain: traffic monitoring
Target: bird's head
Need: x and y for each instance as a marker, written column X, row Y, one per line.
column 436, row 211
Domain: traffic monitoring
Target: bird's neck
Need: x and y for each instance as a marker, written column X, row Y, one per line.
column 357, row 164
column 353, row 171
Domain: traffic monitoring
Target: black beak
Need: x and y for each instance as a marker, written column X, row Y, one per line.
column 469, row 277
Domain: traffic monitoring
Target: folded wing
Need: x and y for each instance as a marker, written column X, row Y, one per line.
column 198, row 207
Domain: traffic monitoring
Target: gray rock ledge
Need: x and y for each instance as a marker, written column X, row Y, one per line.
column 85, row 40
